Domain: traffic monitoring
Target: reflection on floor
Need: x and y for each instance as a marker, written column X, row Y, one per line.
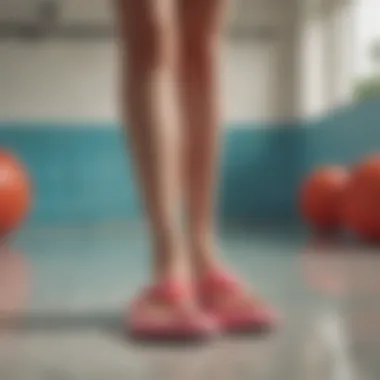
column 82, row 278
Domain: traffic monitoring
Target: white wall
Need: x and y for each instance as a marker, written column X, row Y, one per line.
column 57, row 81
column 326, row 55
column 77, row 81
column 312, row 86
column 367, row 31
column 263, row 81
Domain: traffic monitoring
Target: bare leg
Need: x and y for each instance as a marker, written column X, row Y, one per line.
column 219, row 292
column 201, row 24
column 147, row 49
column 166, row 308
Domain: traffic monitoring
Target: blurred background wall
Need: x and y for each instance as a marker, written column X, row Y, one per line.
column 76, row 79
column 287, row 65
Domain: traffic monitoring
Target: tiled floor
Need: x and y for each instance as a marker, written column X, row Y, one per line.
column 82, row 278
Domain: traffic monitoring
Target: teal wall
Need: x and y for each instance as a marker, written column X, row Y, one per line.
column 83, row 173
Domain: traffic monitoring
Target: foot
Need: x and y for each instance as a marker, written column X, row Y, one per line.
column 167, row 312
column 235, row 308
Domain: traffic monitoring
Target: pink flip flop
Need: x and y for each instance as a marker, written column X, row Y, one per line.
column 216, row 286
column 180, row 324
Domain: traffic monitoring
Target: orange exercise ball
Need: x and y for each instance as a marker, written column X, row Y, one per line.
column 14, row 193
column 362, row 206
column 322, row 197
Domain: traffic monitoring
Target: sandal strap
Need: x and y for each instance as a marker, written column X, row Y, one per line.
column 170, row 292
column 221, row 282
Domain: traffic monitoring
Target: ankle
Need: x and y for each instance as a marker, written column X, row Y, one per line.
column 169, row 259
column 204, row 256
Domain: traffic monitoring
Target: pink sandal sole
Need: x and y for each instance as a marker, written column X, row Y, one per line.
column 258, row 319
column 182, row 326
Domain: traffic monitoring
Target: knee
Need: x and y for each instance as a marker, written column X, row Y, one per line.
column 198, row 41
column 144, row 42
column 200, row 36
column 145, row 48
column 148, row 50
column 198, row 49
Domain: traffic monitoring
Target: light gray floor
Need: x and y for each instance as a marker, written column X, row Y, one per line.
column 83, row 278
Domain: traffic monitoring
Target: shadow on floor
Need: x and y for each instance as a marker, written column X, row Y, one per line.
column 35, row 322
